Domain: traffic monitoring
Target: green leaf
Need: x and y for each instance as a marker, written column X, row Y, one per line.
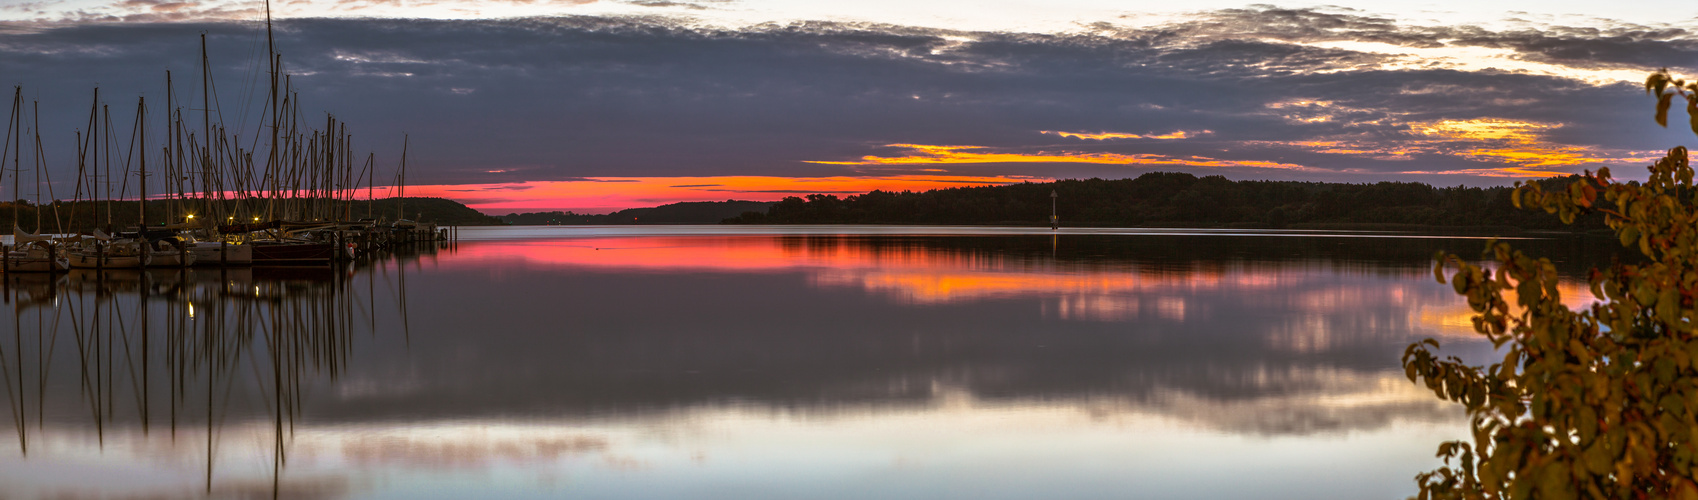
column 1668, row 305
column 1554, row 483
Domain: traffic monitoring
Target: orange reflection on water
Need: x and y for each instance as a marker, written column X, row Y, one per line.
column 912, row 274
column 1103, row 290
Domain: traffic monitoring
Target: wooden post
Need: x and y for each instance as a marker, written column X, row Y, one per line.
column 5, row 260
column 99, row 256
column 223, row 251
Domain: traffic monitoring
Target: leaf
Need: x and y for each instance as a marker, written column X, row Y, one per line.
column 1692, row 111
column 1658, row 81
column 1598, row 459
column 1668, row 305
column 1554, row 482
column 1663, row 103
column 1685, row 490
column 1438, row 266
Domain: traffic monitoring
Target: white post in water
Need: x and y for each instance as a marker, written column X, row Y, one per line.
column 1054, row 223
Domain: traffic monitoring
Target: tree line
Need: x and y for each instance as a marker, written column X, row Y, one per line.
column 1176, row 199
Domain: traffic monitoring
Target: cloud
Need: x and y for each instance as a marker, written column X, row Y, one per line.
column 1103, row 136
column 598, row 99
column 930, row 155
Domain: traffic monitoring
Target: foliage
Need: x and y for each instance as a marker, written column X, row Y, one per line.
column 1173, row 199
column 1600, row 402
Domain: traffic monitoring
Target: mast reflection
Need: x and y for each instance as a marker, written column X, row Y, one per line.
column 185, row 352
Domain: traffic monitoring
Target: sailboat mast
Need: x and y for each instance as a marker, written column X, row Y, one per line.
column 401, row 194
column 141, row 126
column 206, row 122
column 18, row 139
column 172, row 147
column 58, row 228
column 271, row 162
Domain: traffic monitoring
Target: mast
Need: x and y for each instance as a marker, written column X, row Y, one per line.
column 141, row 126
column 208, row 217
column 401, row 194
column 17, row 126
column 173, row 147
column 271, row 61
column 58, row 227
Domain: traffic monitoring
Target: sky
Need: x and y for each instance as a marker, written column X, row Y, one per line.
column 595, row 105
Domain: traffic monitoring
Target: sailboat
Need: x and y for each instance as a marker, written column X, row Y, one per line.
column 30, row 252
column 101, row 250
column 161, row 245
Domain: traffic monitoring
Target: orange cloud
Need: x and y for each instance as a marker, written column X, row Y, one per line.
column 936, row 155
column 605, row 194
column 1103, row 136
column 1520, row 147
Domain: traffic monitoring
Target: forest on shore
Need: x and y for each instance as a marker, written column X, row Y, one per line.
column 1168, row 199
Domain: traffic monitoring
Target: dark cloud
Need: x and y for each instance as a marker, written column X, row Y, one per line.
column 574, row 98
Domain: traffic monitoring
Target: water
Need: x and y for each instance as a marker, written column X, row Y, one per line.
column 715, row 362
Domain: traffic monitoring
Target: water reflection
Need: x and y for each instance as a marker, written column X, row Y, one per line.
column 162, row 366
column 741, row 366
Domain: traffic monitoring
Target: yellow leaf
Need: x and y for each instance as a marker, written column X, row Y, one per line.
column 1663, row 103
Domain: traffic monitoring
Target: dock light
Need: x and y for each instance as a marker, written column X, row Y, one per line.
column 191, row 216
column 256, row 219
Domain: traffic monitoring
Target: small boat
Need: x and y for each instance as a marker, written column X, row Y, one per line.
column 102, row 251
column 166, row 248
column 33, row 253
column 220, row 253
column 292, row 252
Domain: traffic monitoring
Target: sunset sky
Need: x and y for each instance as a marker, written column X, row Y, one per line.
column 595, row 105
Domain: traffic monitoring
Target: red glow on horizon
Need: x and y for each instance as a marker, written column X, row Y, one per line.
column 607, row 194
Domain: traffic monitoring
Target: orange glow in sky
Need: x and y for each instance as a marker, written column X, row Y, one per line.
column 925, row 154
column 606, row 194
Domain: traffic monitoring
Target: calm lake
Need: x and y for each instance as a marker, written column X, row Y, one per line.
column 768, row 362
